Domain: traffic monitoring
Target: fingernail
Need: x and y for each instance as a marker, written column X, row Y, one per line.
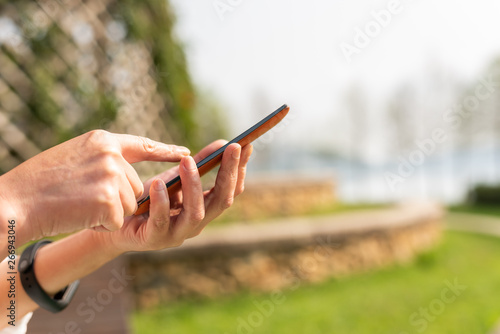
column 159, row 185
column 189, row 163
column 236, row 153
column 183, row 150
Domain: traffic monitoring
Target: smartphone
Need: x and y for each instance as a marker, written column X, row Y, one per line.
column 207, row 164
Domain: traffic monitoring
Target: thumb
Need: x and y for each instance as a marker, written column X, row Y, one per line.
column 137, row 148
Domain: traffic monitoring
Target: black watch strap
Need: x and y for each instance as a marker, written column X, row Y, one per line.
column 32, row 287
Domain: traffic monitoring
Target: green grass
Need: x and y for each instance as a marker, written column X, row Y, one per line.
column 490, row 210
column 377, row 302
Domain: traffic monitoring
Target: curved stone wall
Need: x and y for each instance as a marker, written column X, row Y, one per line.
column 282, row 254
column 282, row 195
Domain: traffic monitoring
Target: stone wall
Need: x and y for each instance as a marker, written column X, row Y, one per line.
column 284, row 253
column 281, row 195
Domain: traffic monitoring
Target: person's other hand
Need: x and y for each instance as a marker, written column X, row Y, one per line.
column 172, row 219
column 86, row 182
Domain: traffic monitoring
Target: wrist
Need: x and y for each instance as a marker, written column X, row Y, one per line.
column 105, row 243
column 55, row 302
column 85, row 250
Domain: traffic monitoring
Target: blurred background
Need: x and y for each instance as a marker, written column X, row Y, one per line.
column 392, row 102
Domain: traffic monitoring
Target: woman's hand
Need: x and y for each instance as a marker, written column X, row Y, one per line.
column 184, row 215
column 86, row 182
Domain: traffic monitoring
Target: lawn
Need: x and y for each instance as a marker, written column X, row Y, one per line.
column 490, row 210
column 454, row 289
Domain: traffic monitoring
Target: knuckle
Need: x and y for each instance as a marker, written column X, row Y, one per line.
column 161, row 221
column 129, row 207
column 114, row 225
column 242, row 170
column 102, row 143
column 139, row 191
column 226, row 203
column 109, row 166
column 148, row 144
column 110, row 172
column 197, row 216
column 98, row 136
column 233, row 175
column 109, row 152
column 115, row 220
column 108, row 158
column 106, row 196
column 108, row 162
column 239, row 190
column 228, row 177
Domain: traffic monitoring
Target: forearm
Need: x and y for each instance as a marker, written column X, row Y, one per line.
column 71, row 258
column 57, row 265
column 12, row 220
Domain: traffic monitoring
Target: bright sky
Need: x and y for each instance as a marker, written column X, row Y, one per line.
column 289, row 52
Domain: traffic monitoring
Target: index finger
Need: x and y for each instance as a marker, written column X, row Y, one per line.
column 138, row 148
column 209, row 149
column 173, row 172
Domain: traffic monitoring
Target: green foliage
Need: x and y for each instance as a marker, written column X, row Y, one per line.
column 376, row 302
column 153, row 22
column 87, row 100
column 485, row 195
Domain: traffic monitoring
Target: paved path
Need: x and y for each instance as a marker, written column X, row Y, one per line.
column 475, row 223
column 108, row 315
